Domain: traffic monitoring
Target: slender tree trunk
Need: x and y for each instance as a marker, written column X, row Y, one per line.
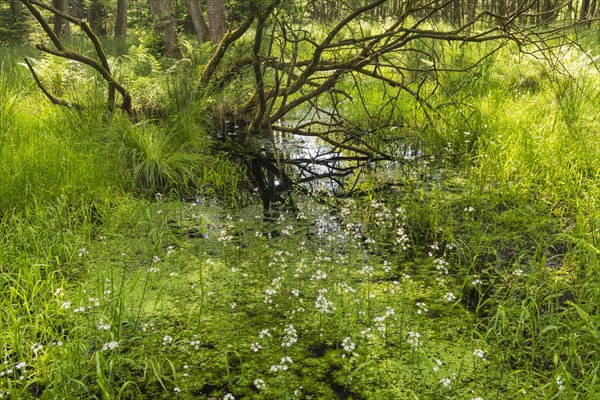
column 121, row 20
column 456, row 13
column 164, row 25
column 550, row 11
column 62, row 28
column 200, row 26
column 97, row 17
column 15, row 8
column 584, row 13
column 216, row 19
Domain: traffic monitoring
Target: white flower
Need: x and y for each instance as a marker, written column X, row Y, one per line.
column 103, row 326
column 66, row 305
column 479, row 353
column 387, row 267
column 286, row 359
column 265, row 332
column 422, row 308
column 110, row 346
column 196, row 344
column 176, row 390
column 414, row 339
column 441, row 266
column 290, row 336
column 228, row 396
column 366, row 270
column 446, row 382
column 323, row 304
column 347, row 345
column 167, row 340
column 255, row 347
column 449, row 297
column 259, row 384
column 283, row 364
column 20, row 365
column 319, row 275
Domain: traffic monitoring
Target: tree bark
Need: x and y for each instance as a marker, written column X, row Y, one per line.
column 585, row 10
column 164, row 25
column 216, row 19
column 198, row 22
column 121, row 20
column 62, row 28
column 97, row 17
column 15, row 8
column 593, row 11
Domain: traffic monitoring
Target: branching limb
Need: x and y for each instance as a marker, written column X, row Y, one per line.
column 227, row 40
column 53, row 99
column 101, row 66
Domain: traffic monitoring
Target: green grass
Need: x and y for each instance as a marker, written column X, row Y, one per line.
column 489, row 251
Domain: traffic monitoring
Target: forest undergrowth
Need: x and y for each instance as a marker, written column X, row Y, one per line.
column 135, row 264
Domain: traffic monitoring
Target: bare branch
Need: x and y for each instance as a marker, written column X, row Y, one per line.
column 101, row 66
column 53, row 99
column 226, row 41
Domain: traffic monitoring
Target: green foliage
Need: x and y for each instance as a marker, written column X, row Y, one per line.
column 157, row 161
column 155, row 44
column 474, row 274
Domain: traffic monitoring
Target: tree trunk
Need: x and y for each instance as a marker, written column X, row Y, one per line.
column 15, row 10
column 456, row 13
column 585, row 10
column 97, row 17
column 549, row 14
column 164, row 26
column 62, row 28
column 200, row 27
column 121, row 20
column 216, row 19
